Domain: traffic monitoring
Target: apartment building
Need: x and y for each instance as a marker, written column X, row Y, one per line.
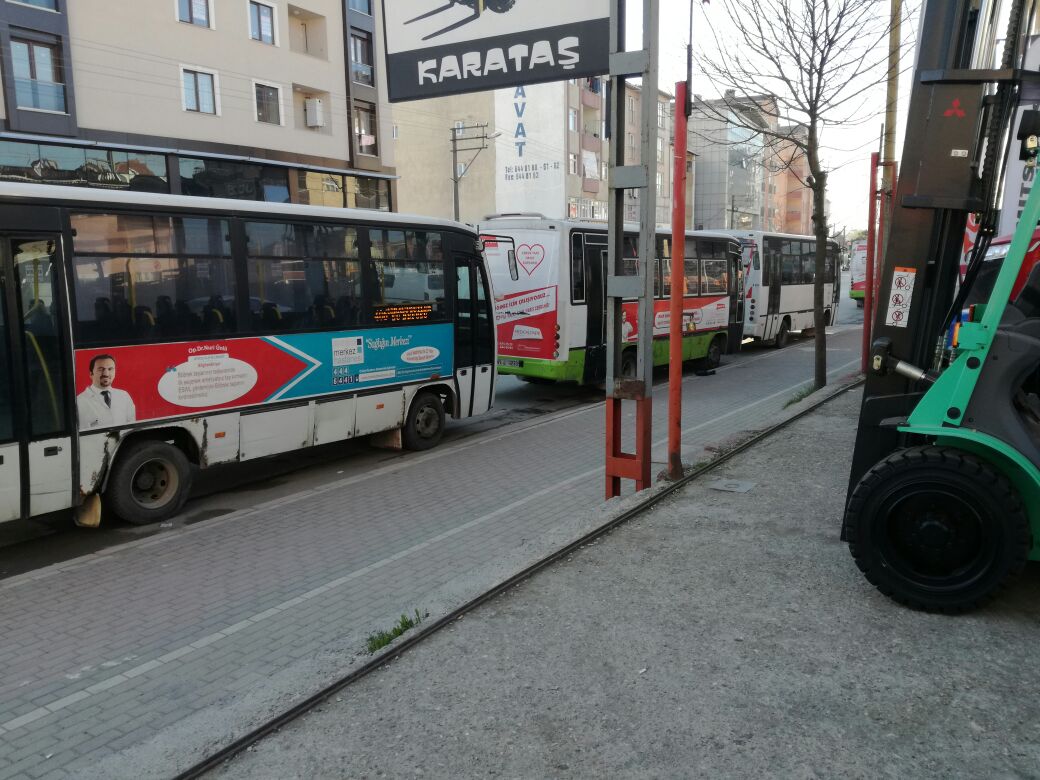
column 250, row 99
column 797, row 199
column 736, row 184
column 538, row 148
column 665, row 145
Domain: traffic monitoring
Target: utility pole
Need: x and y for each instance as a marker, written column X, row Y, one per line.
column 891, row 98
column 732, row 212
column 457, row 137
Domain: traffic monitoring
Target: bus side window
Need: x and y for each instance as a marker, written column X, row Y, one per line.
column 577, row 268
column 755, row 260
column 693, row 276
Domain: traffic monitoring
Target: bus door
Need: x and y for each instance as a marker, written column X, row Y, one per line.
column 595, row 263
column 772, row 263
column 474, row 337
column 36, row 463
column 736, row 301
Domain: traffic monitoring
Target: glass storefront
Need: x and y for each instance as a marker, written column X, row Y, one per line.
column 205, row 177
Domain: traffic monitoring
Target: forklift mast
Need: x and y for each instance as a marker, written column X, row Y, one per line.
column 960, row 112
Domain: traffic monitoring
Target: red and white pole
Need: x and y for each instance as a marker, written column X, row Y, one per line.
column 678, row 255
column 868, row 288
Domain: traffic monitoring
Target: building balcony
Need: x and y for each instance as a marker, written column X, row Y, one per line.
column 591, row 99
column 591, row 142
column 591, row 185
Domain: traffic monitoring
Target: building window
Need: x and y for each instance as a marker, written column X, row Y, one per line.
column 261, row 22
column 365, row 128
column 604, row 170
column 93, row 167
column 361, row 57
column 362, row 6
column 572, row 164
column 395, row 133
column 572, row 120
column 200, row 93
column 660, row 184
column 193, row 12
column 38, row 81
column 268, row 104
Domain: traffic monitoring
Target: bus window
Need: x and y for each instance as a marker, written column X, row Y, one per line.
column 791, row 263
column 406, row 291
column 577, row 268
column 663, row 282
column 133, row 298
column 808, row 262
column 693, row 276
column 715, row 276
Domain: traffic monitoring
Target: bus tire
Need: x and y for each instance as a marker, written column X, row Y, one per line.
column 937, row 529
column 783, row 335
column 713, row 358
column 424, row 426
column 149, row 483
column 629, row 366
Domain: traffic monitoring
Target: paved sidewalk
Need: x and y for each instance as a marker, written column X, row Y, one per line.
column 719, row 635
column 135, row 661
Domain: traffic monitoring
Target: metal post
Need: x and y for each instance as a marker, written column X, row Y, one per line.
column 455, row 171
column 868, row 287
column 678, row 257
column 642, row 64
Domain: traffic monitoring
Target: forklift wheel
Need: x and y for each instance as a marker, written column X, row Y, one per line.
column 937, row 529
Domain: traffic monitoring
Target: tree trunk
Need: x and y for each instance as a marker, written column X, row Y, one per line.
column 819, row 322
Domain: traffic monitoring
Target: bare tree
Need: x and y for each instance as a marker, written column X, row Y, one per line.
column 804, row 65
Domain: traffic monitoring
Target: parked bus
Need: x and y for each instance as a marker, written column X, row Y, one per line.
column 858, row 273
column 779, row 271
column 144, row 334
column 550, row 286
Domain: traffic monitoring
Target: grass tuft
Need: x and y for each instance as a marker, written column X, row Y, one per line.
column 381, row 639
column 801, row 395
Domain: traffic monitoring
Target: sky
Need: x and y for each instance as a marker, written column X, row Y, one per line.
column 847, row 149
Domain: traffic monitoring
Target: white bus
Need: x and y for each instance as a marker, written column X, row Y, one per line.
column 550, row 276
column 779, row 271
column 146, row 334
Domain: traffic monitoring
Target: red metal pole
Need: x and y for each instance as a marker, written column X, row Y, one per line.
column 868, row 288
column 678, row 255
column 886, row 209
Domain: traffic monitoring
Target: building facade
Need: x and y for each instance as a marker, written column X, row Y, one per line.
column 734, row 185
column 539, row 148
column 249, row 99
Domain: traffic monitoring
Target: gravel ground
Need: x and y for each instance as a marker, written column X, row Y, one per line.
column 720, row 634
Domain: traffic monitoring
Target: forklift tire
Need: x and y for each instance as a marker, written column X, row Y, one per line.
column 937, row 529
column 783, row 335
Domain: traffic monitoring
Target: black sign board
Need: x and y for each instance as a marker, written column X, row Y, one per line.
column 448, row 47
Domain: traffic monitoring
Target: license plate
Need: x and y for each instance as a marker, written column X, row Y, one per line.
column 509, row 363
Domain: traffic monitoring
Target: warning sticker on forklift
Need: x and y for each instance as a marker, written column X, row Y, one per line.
column 899, row 297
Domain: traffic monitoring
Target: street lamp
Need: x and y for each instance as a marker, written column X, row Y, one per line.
column 456, row 136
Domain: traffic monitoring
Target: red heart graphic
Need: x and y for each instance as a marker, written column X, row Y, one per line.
column 530, row 257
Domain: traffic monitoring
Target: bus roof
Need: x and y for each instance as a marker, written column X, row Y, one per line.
column 93, row 198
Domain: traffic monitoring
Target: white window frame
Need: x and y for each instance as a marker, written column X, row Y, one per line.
column 211, row 14
column 572, row 164
column 281, row 102
column 572, row 114
column 274, row 23
column 216, row 89
column 38, row 8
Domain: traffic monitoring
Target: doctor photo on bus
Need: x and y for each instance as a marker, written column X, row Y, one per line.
column 102, row 405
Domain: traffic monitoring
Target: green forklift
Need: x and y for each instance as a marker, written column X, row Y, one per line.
column 943, row 507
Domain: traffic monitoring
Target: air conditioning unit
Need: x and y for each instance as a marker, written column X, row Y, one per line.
column 314, row 112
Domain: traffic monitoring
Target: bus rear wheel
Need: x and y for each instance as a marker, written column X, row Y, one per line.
column 937, row 529
column 713, row 358
column 424, row 426
column 150, row 482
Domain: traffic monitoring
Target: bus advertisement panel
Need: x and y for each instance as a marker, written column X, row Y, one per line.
column 858, row 271
column 155, row 381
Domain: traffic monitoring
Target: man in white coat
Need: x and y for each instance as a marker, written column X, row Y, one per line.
column 101, row 405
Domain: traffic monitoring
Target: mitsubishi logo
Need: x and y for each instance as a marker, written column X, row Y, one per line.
column 955, row 109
